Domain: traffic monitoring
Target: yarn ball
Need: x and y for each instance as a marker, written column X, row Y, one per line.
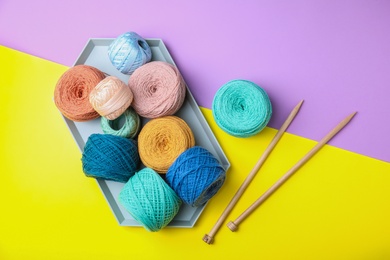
column 110, row 157
column 241, row 108
column 111, row 97
column 158, row 88
column 162, row 140
column 128, row 52
column 150, row 201
column 71, row 94
column 196, row 176
column 129, row 128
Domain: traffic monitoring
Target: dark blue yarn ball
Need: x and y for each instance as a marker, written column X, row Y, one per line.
column 110, row 157
column 196, row 176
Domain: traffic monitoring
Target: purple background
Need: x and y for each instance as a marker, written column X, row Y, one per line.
column 333, row 54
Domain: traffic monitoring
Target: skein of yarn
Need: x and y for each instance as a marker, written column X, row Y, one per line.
column 128, row 52
column 71, row 94
column 241, row 108
column 158, row 88
column 162, row 140
column 196, row 176
column 130, row 128
column 110, row 157
column 111, row 97
column 150, row 200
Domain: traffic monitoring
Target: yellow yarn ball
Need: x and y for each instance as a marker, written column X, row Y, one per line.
column 162, row 140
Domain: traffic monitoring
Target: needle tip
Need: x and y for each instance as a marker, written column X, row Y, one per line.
column 297, row 107
column 352, row 115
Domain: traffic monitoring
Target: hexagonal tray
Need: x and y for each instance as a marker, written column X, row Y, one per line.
column 95, row 54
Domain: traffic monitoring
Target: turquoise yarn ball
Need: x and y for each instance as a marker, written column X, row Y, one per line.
column 241, row 108
column 110, row 157
column 150, row 201
column 126, row 125
column 196, row 176
column 128, row 52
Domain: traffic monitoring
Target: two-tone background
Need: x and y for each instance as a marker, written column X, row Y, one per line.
column 333, row 54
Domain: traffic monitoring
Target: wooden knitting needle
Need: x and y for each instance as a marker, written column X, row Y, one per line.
column 209, row 238
column 233, row 225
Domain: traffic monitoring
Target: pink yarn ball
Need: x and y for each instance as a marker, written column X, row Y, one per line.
column 158, row 89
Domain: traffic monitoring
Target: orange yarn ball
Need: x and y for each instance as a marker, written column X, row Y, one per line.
column 111, row 97
column 71, row 94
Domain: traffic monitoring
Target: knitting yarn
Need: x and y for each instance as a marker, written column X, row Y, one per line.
column 111, row 97
column 128, row 52
column 162, row 140
column 241, row 108
column 129, row 128
column 196, row 176
column 158, row 88
column 150, row 201
column 71, row 94
column 110, row 157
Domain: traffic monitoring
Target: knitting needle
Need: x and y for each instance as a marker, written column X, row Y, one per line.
column 209, row 238
column 233, row 225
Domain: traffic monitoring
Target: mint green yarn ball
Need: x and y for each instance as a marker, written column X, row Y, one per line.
column 241, row 108
column 150, row 200
column 126, row 125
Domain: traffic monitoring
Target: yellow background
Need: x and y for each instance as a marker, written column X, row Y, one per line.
column 335, row 207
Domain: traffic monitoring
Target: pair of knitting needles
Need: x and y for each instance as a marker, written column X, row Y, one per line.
column 233, row 225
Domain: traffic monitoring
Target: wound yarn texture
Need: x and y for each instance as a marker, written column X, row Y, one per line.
column 162, row 140
column 149, row 200
column 126, row 125
column 71, row 94
column 196, row 176
column 241, row 108
column 128, row 52
column 158, row 88
column 111, row 97
column 110, row 157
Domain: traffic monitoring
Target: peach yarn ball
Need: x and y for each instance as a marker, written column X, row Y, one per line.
column 158, row 88
column 71, row 94
column 111, row 97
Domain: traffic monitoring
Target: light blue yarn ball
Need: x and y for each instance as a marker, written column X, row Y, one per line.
column 149, row 199
column 241, row 108
column 196, row 176
column 128, row 52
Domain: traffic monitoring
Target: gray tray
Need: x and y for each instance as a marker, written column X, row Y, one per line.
column 95, row 54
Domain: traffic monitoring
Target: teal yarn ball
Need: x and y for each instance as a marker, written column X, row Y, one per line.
column 126, row 125
column 128, row 52
column 241, row 108
column 110, row 157
column 196, row 176
column 149, row 199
